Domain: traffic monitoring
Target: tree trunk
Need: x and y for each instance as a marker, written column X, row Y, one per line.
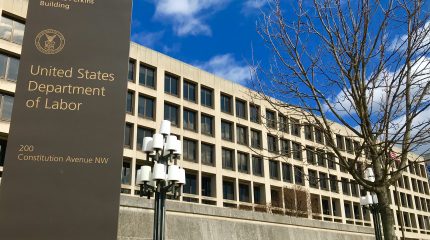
column 387, row 216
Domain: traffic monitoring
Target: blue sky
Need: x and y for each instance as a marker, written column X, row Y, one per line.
column 216, row 35
column 220, row 36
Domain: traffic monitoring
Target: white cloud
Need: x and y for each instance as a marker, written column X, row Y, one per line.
column 421, row 40
column 226, row 66
column 188, row 16
column 148, row 39
column 254, row 4
column 382, row 91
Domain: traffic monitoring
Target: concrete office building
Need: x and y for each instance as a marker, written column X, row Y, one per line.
column 225, row 133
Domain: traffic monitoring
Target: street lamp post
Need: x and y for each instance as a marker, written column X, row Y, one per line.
column 371, row 201
column 163, row 176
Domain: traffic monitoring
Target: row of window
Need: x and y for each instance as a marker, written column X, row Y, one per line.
column 417, row 169
column 325, row 205
column 11, row 29
column 6, row 104
column 417, row 185
column 8, row 67
column 331, row 207
column 412, row 202
column 207, row 150
column 172, row 86
column 241, row 161
column 410, row 221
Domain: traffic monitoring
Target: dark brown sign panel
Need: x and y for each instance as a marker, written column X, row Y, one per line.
column 63, row 161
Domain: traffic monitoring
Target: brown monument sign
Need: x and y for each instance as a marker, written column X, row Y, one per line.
column 64, row 155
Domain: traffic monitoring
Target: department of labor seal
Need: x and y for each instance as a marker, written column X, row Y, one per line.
column 50, row 41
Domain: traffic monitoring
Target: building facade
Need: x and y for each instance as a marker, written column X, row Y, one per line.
column 231, row 142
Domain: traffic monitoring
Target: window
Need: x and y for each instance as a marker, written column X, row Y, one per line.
column 347, row 207
column 242, row 162
column 142, row 133
column 272, row 143
column 243, row 192
column 283, row 123
column 323, row 181
column 342, row 165
column 190, row 120
column 226, row 103
column 325, row 206
column 11, row 30
column 242, row 135
column 319, row 137
column 406, row 181
column 348, row 144
column 411, row 167
column 130, row 102
column 336, row 207
column 126, row 172
column 240, row 109
column 190, row 186
column 354, row 188
column 321, row 158
column 339, row 142
column 271, row 119
column 297, row 151
column 189, row 149
column 357, row 212
column 309, row 132
column 254, row 113
column 146, row 107
column 206, row 95
column 331, row 161
column 298, row 175
column 257, row 195
column 276, row 199
column 171, row 84
column 414, row 185
column 228, row 190
column 146, row 76
column 310, row 155
column 208, row 154
column 255, row 138
column 409, row 198
column 227, row 131
column 315, row 204
column 3, row 144
column 357, row 148
column 6, row 104
column 128, row 135
column 9, row 67
column 131, row 66
column 345, row 186
column 227, row 158
column 285, row 147
column 313, row 178
column 274, row 169
column 207, row 124
column 171, row 113
column 190, row 91
column 257, row 166
column 287, row 174
column 206, row 186
column 295, row 127
column 333, row 183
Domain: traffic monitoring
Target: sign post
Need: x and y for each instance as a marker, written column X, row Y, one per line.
column 65, row 146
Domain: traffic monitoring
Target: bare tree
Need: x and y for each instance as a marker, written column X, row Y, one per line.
column 362, row 63
column 297, row 201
